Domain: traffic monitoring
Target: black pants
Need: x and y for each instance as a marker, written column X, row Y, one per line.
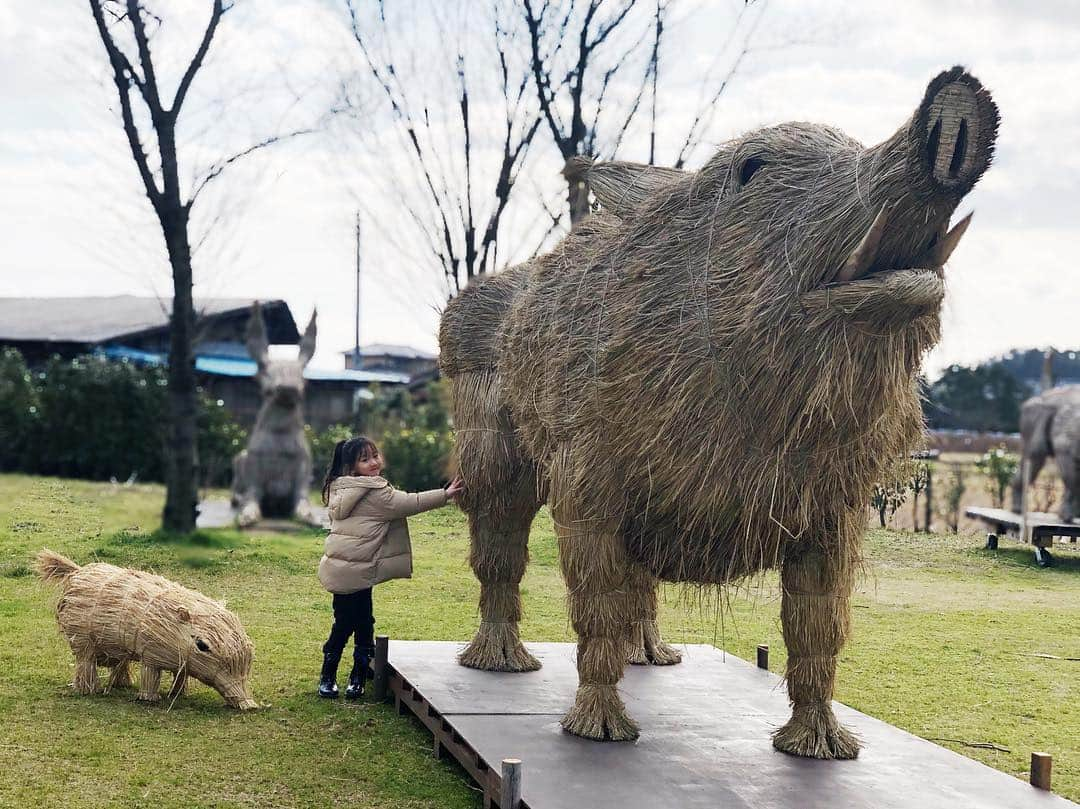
column 352, row 616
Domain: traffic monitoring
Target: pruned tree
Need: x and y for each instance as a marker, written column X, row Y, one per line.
column 150, row 120
column 596, row 67
column 463, row 118
column 919, row 483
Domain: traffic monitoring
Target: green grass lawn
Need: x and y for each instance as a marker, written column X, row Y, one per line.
column 943, row 639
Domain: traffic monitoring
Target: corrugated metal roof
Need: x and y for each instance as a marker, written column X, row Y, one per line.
column 95, row 320
column 235, row 366
column 391, row 350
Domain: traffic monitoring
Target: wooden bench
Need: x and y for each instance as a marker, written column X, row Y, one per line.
column 1041, row 529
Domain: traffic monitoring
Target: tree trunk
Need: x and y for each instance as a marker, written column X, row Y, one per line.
column 181, row 495
column 881, row 516
column 915, row 512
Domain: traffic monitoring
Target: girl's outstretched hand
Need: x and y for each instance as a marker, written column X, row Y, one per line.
column 454, row 487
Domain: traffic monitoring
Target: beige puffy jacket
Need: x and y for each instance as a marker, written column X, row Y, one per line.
column 369, row 537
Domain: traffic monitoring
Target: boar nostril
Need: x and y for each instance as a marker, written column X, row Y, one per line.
column 959, row 150
column 932, row 144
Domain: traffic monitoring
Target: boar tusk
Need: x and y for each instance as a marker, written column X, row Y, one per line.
column 863, row 256
column 947, row 244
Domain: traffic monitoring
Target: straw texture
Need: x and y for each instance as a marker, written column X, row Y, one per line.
column 705, row 379
column 112, row 616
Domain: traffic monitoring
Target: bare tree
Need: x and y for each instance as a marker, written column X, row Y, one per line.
column 148, row 117
column 581, row 52
column 446, row 132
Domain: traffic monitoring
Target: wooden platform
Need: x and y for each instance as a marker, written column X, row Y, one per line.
column 1041, row 528
column 704, row 743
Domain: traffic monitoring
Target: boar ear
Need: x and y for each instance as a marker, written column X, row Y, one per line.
column 307, row 342
column 257, row 345
column 621, row 187
column 183, row 615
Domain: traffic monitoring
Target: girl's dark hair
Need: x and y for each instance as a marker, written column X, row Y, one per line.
column 346, row 454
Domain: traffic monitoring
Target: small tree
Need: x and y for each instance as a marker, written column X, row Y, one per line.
column 999, row 467
column 955, row 487
column 918, row 483
column 889, row 495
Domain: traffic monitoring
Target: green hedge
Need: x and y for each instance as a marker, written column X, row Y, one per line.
column 95, row 418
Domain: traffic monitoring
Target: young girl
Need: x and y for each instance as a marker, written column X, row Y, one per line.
column 368, row 543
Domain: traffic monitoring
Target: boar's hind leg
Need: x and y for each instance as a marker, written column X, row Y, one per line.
column 149, row 683
column 120, row 676
column 815, row 614
column 646, row 645
column 604, row 604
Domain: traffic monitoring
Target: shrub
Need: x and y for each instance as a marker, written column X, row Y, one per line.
column 413, row 435
column 95, row 418
column 18, row 411
column 322, row 447
column 220, row 438
column 416, row 458
column 999, row 467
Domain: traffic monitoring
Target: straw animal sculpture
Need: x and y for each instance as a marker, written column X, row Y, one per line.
column 1050, row 428
column 113, row 616
column 271, row 477
column 704, row 380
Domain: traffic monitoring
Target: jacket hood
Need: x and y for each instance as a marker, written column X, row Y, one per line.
column 347, row 491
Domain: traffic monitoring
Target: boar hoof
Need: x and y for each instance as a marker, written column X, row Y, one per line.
column 813, row 732
column 497, row 647
column 646, row 647
column 599, row 714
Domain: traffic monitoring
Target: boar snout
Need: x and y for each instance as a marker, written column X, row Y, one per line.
column 957, row 125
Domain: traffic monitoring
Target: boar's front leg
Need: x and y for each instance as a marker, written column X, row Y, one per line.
column 646, row 645
column 604, row 604
column 149, row 683
column 86, row 674
column 816, row 615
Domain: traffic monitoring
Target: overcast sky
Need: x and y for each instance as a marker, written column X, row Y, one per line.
column 73, row 221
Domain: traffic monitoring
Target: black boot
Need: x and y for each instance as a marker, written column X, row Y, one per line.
column 357, row 676
column 327, row 679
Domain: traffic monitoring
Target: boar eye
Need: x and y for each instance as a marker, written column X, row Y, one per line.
column 749, row 168
column 202, row 645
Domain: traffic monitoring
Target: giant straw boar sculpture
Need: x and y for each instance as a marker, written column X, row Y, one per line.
column 1050, row 428
column 272, row 476
column 704, row 381
column 112, row 616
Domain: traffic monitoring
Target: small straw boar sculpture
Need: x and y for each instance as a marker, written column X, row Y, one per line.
column 704, row 380
column 113, row 616
column 272, row 476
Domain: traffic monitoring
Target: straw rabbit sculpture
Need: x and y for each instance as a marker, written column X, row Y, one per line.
column 704, row 380
column 272, row 476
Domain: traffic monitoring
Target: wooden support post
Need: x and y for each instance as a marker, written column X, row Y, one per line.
column 382, row 652
column 763, row 656
column 510, row 793
column 1040, row 770
column 928, row 506
column 436, row 747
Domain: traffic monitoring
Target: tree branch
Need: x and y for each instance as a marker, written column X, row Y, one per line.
column 122, row 75
column 215, row 170
column 216, row 12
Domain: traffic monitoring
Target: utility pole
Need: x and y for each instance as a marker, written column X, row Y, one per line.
column 356, row 345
